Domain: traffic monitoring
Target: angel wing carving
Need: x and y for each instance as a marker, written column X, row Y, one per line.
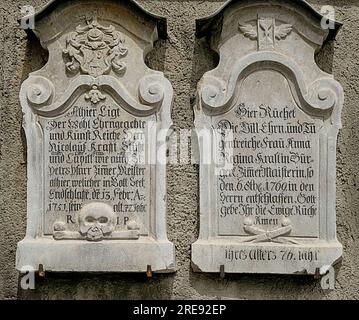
column 249, row 31
column 282, row 31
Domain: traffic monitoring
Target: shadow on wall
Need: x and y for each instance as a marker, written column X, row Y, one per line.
column 109, row 286
column 260, row 287
column 324, row 58
column 37, row 57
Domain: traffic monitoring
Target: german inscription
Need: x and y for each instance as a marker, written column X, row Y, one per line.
column 268, row 194
column 274, row 184
column 96, row 153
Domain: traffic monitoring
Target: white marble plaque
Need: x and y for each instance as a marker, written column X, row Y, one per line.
column 268, row 182
column 96, row 120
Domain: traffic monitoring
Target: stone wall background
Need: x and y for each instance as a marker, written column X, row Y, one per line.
column 183, row 59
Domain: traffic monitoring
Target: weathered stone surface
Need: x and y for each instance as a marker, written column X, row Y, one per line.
column 184, row 61
column 268, row 186
column 96, row 120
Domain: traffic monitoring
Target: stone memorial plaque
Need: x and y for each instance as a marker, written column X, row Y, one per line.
column 96, row 120
column 268, row 183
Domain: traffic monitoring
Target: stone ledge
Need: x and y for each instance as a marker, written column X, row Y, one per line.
column 104, row 256
column 266, row 258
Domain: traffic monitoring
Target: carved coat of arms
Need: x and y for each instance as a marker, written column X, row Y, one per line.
column 95, row 50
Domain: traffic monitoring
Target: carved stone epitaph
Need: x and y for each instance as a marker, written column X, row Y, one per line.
column 96, row 120
column 267, row 175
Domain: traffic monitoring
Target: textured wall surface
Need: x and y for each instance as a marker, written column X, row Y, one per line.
column 183, row 59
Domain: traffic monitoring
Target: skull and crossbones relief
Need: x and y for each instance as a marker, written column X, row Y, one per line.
column 96, row 220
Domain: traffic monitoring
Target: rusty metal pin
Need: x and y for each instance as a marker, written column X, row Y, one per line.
column 317, row 273
column 42, row 272
column 221, row 271
column 149, row 271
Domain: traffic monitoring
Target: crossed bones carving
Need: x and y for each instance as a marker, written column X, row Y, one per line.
column 97, row 222
column 261, row 235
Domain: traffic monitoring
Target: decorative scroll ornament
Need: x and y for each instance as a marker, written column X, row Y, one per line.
column 95, row 50
column 151, row 90
column 261, row 235
column 38, row 93
column 266, row 32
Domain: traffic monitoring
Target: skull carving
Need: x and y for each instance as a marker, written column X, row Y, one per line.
column 96, row 220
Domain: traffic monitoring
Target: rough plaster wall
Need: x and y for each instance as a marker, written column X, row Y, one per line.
column 184, row 60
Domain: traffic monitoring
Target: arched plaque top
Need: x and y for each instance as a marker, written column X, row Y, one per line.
column 90, row 40
column 281, row 35
column 207, row 25
column 155, row 26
